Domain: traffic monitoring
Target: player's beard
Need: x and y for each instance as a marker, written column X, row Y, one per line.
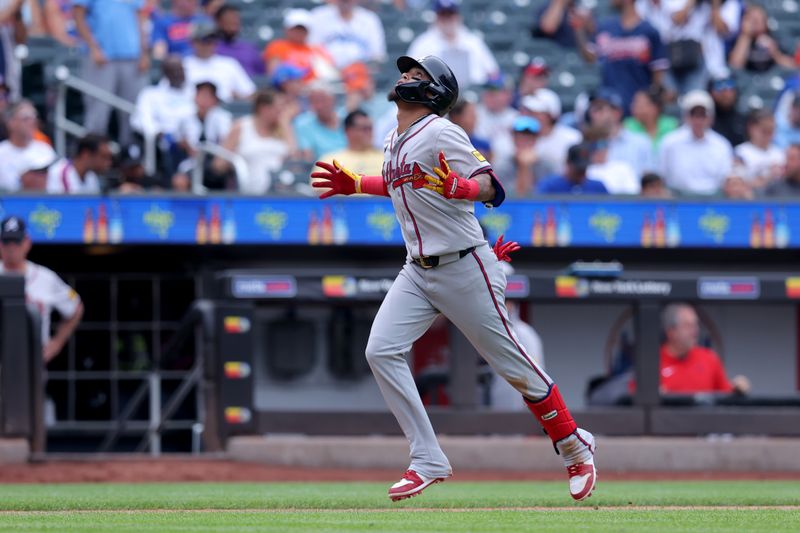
column 392, row 95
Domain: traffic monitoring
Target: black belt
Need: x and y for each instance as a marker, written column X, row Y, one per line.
column 430, row 261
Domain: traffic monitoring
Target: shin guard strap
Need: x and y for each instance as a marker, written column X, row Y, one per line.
column 553, row 415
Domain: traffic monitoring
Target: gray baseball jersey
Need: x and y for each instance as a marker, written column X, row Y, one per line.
column 469, row 291
column 430, row 223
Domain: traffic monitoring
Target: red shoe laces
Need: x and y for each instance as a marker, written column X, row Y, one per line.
column 579, row 469
column 410, row 475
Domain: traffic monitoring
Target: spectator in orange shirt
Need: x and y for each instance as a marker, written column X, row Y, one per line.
column 294, row 49
column 685, row 366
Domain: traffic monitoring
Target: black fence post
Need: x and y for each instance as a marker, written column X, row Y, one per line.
column 647, row 362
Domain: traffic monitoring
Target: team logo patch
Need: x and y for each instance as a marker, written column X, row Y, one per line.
column 551, row 415
column 479, row 156
column 415, row 176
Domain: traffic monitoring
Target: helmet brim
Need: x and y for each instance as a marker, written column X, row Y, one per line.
column 406, row 63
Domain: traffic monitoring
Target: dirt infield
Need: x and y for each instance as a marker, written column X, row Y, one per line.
column 205, row 470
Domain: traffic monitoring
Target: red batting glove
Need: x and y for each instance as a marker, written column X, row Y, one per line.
column 503, row 250
column 451, row 185
column 337, row 179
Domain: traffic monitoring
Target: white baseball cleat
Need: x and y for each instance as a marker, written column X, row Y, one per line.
column 410, row 485
column 578, row 449
column 582, row 477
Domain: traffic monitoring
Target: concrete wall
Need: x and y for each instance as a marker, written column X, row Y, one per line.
column 528, row 454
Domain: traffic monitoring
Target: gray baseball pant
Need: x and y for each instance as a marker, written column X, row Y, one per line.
column 470, row 292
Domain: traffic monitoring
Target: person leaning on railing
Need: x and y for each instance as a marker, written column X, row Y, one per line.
column 43, row 288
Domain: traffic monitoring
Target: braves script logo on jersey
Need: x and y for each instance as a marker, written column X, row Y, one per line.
column 404, row 173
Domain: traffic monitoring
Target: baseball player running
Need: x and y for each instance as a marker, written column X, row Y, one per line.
column 433, row 174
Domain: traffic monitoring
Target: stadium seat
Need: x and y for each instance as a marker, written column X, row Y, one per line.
column 239, row 108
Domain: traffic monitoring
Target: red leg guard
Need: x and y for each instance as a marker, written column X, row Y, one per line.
column 553, row 415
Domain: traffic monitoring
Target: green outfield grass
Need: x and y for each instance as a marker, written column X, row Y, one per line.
column 452, row 506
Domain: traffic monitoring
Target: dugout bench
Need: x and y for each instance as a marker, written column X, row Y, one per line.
column 291, row 309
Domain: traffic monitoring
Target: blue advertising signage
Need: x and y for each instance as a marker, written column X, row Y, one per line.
column 230, row 220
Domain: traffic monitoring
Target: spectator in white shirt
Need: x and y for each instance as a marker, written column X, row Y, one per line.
column 348, row 31
column 33, row 173
column 21, row 148
column 80, row 175
column 464, row 52
column 160, row 108
column 226, row 73
column 496, row 119
column 763, row 161
column 617, row 175
column 208, row 123
column 624, row 146
column 554, row 139
column 695, row 159
column 517, row 172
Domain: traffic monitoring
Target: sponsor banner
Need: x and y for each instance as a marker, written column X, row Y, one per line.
column 226, row 221
column 237, row 370
column 517, row 286
column 349, row 286
column 236, row 324
column 573, row 287
column 238, row 415
column 793, row 287
column 728, row 288
column 570, row 287
column 263, row 287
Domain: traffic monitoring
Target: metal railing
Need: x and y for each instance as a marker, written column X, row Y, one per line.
column 199, row 322
column 66, row 126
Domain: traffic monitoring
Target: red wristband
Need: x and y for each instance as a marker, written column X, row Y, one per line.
column 374, row 185
column 472, row 189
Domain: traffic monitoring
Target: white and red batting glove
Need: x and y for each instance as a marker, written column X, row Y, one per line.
column 451, row 185
column 339, row 180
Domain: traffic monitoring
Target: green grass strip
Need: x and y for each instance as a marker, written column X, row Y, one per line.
column 265, row 496
column 611, row 520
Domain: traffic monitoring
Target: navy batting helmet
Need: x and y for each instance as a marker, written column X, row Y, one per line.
column 440, row 94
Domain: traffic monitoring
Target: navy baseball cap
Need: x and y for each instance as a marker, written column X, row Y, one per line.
column 525, row 124
column 720, row 84
column 580, row 155
column 608, row 95
column 451, row 6
column 496, row 81
column 12, row 229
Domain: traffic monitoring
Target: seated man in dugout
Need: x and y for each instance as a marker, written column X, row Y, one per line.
column 685, row 367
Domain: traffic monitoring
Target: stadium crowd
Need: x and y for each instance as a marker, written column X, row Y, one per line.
column 663, row 119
